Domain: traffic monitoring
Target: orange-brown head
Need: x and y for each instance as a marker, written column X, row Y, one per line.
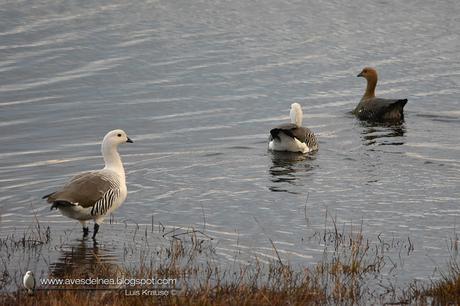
column 368, row 73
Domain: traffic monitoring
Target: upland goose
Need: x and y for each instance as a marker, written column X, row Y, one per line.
column 372, row 108
column 293, row 137
column 94, row 195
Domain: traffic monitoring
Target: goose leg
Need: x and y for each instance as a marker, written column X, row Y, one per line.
column 85, row 228
column 96, row 229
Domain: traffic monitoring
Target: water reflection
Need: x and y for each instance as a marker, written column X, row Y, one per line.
column 82, row 256
column 286, row 169
column 383, row 133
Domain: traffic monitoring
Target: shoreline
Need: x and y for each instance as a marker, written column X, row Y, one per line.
column 351, row 272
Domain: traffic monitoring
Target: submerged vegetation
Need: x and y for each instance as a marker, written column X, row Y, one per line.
column 350, row 272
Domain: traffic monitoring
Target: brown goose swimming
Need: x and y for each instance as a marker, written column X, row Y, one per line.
column 377, row 109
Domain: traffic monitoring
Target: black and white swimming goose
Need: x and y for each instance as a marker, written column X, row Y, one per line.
column 372, row 108
column 293, row 137
column 93, row 195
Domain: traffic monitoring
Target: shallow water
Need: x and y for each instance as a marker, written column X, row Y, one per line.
column 198, row 85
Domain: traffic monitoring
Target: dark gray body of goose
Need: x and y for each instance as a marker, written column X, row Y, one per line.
column 377, row 109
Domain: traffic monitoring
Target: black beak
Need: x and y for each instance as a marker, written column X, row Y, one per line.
column 360, row 74
column 129, row 140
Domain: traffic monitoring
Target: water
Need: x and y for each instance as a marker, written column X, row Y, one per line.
column 198, row 85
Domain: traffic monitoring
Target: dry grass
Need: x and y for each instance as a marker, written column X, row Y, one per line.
column 199, row 283
column 345, row 275
column 447, row 289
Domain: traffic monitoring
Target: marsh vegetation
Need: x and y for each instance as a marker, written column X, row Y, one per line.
column 353, row 270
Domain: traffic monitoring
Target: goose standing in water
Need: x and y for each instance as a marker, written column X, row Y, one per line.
column 95, row 194
column 376, row 109
column 293, row 137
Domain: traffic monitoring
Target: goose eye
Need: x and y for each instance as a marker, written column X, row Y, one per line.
column 119, row 135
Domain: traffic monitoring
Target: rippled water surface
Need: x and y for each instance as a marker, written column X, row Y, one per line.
column 198, row 84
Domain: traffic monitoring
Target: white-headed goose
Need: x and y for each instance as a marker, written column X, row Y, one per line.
column 95, row 194
column 293, row 137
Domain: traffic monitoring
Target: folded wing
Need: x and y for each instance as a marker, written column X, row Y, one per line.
column 302, row 134
column 85, row 190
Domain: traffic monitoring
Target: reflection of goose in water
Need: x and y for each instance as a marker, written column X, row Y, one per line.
column 287, row 168
column 82, row 257
column 383, row 134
